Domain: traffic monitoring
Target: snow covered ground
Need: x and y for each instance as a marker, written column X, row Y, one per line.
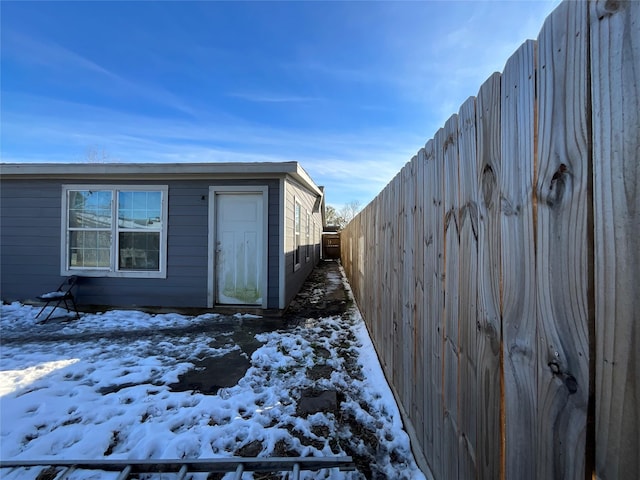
column 99, row 388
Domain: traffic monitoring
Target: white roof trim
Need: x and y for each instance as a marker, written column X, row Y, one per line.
column 155, row 171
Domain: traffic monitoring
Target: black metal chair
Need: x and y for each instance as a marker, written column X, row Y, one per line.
column 64, row 294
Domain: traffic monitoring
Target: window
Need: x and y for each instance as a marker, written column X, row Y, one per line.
column 315, row 242
column 296, row 235
column 307, row 234
column 114, row 231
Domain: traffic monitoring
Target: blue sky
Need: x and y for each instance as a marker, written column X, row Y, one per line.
column 351, row 90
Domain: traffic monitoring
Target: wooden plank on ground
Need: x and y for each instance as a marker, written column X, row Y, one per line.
column 435, row 264
column 563, row 257
column 468, row 287
column 488, row 452
column 518, row 262
column 451, row 295
column 615, row 76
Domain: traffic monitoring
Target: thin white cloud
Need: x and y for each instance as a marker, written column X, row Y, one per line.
column 272, row 97
column 60, row 59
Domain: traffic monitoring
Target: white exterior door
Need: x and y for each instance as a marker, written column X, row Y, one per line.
column 239, row 248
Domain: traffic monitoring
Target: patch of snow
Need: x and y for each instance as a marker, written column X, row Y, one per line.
column 53, row 295
column 102, row 391
column 246, row 315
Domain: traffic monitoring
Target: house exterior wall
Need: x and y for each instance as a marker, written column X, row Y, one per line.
column 31, row 232
column 296, row 275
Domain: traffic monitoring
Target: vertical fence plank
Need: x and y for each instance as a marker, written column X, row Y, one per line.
column 562, row 257
column 436, row 299
column 396, row 312
column 398, row 298
column 489, row 280
column 418, row 375
column 451, row 274
column 407, row 296
column 378, row 261
column 468, row 305
column 615, row 74
column 518, row 262
column 389, row 281
column 428, row 279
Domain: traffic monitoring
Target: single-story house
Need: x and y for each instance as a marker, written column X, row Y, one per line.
column 160, row 235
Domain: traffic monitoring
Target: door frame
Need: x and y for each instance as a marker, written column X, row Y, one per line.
column 211, row 257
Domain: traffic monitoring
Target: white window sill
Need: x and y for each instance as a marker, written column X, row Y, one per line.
column 107, row 273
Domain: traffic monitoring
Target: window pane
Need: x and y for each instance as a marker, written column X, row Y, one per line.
column 89, row 209
column 89, row 249
column 139, row 251
column 139, row 210
column 297, row 218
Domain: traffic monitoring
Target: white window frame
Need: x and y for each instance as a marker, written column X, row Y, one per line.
column 315, row 235
column 297, row 221
column 113, row 269
column 307, row 237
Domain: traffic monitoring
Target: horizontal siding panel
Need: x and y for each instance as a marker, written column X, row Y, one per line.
column 188, row 221
column 188, row 245
column 37, row 233
column 16, row 221
column 188, row 274
column 35, row 261
column 182, row 259
column 35, row 211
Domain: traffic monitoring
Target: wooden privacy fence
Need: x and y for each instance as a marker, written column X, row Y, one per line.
column 499, row 272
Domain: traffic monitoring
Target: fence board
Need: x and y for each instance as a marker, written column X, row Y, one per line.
column 436, row 299
column 418, row 376
column 615, row 74
column 396, row 311
column 518, row 262
column 388, row 304
column 467, row 310
column 429, row 280
column 562, row 259
column 489, row 280
column 407, row 296
column 451, row 274
column 378, row 273
column 398, row 296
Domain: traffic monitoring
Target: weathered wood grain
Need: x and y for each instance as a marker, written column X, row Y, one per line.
column 518, row 126
column 389, row 279
column 429, row 280
column 396, row 294
column 468, row 288
column 418, row 367
column 451, row 232
column 489, row 436
column 615, row 76
column 408, row 282
column 563, row 253
column 436, row 299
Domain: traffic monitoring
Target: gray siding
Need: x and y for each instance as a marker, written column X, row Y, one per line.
column 30, row 235
column 295, row 278
column 29, row 239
